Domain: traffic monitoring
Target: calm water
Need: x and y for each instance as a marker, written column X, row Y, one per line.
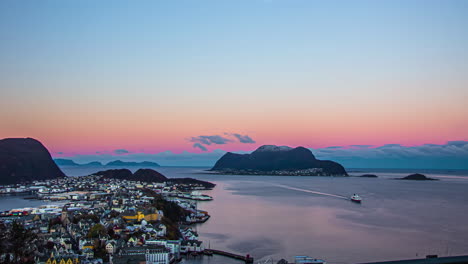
column 280, row 217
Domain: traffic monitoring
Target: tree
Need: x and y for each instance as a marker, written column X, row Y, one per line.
column 96, row 231
column 17, row 242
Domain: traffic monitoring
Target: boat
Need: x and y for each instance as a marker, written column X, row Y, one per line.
column 356, row 198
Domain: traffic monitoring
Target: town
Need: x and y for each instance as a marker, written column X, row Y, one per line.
column 94, row 219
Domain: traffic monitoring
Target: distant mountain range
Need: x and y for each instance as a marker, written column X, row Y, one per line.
column 116, row 163
column 277, row 160
column 24, row 160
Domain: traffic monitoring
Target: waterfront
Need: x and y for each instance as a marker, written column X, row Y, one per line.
column 8, row 202
column 279, row 217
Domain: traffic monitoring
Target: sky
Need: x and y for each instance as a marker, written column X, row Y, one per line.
column 133, row 78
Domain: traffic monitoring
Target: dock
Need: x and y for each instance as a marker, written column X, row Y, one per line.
column 246, row 259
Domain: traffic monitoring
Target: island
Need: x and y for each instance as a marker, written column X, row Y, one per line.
column 418, row 177
column 368, row 176
column 25, row 160
column 119, row 163
column 277, row 160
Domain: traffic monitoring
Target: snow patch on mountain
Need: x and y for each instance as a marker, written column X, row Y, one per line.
column 273, row 148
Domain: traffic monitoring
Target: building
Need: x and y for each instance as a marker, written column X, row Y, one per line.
column 188, row 246
column 148, row 254
column 157, row 256
column 111, row 247
column 139, row 215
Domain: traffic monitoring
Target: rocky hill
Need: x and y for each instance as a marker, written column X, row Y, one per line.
column 275, row 160
column 418, row 177
column 26, row 159
column 149, row 175
column 145, row 175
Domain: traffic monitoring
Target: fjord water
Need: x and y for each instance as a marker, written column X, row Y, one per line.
column 282, row 216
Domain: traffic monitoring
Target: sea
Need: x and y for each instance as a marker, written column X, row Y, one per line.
column 279, row 217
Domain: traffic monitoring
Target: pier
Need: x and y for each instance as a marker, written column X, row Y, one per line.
column 246, row 259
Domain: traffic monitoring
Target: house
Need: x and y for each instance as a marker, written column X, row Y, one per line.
column 191, row 246
column 87, row 244
column 132, row 242
column 63, row 260
column 111, row 247
column 89, row 253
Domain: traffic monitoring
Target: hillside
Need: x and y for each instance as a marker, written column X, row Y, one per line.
column 26, row 159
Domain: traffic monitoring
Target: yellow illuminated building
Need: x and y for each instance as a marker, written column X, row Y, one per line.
column 53, row 260
column 139, row 215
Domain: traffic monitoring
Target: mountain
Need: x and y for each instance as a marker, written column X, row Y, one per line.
column 26, row 159
column 121, row 174
column 145, row 175
column 93, row 163
column 119, row 163
column 68, row 162
column 149, row 175
column 65, row 162
column 275, row 160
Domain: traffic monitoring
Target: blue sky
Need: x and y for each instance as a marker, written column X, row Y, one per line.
column 149, row 76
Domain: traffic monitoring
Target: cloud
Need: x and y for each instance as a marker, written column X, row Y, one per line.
column 200, row 146
column 390, row 146
column 59, row 153
column 361, row 146
column 208, row 140
column 453, row 154
column 457, row 143
column 220, row 140
column 244, row 139
column 121, row 151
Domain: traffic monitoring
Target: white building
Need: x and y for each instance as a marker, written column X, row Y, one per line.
column 157, row 256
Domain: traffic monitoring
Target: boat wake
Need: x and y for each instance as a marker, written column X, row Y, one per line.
column 310, row 191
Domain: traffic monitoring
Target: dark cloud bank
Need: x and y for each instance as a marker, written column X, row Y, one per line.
column 200, row 141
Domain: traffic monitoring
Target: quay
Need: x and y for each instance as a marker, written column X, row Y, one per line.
column 246, row 259
column 430, row 259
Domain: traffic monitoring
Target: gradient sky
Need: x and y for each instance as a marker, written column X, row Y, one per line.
column 150, row 76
